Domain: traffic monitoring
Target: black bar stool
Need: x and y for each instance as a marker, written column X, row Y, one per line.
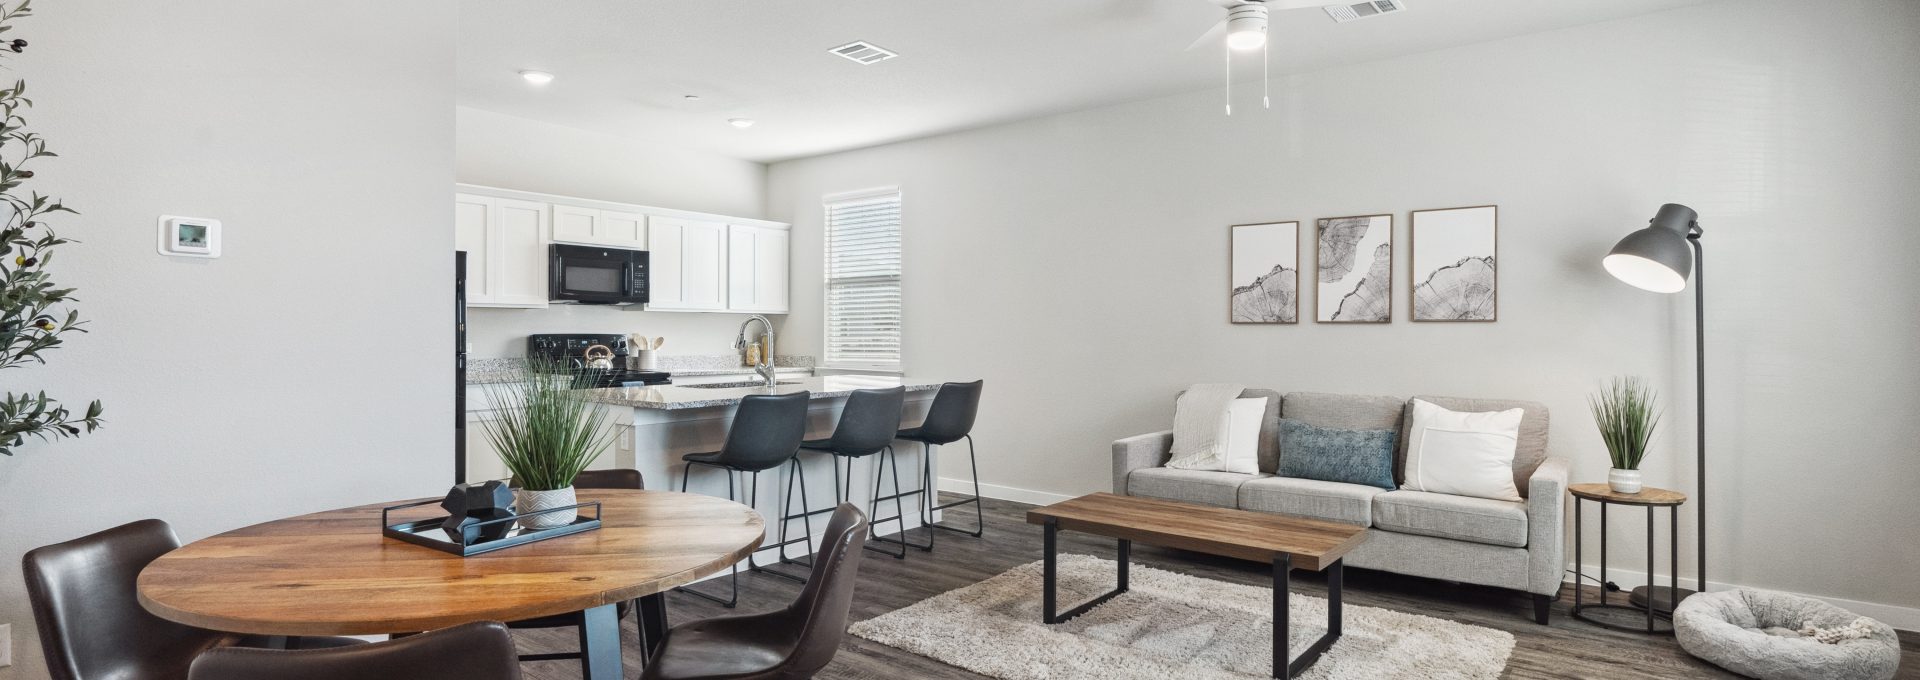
column 866, row 427
column 766, row 433
column 950, row 419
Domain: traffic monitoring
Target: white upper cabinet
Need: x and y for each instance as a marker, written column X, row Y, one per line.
column 698, row 263
column 687, row 265
column 575, row 224
column 757, row 269
column 506, row 243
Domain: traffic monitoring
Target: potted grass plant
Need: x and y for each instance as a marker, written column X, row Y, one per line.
column 1626, row 412
column 546, row 432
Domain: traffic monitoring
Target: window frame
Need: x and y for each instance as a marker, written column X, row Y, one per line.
column 827, row 204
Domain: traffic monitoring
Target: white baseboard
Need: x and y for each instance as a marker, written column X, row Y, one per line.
column 1902, row 618
column 1005, row 493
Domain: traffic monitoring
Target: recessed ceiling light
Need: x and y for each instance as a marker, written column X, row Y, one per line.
column 740, row 122
column 692, row 97
column 537, row 77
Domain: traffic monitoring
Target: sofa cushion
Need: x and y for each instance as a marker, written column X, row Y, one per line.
column 1193, row 486
column 1480, row 520
column 1532, row 446
column 1312, row 498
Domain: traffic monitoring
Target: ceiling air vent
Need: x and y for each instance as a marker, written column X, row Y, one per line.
column 863, row 52
column 1361, row 10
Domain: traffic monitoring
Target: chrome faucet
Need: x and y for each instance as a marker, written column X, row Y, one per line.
column 765, row 367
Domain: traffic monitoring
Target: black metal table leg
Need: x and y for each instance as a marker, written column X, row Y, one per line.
column 1282, row 619
column 652, row 620
column 1050, row 578
column 600, row 643
column 1651, row 575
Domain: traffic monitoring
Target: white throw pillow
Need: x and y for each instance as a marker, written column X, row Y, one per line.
column 1238, row 438
column 1241, row 431
column 1464, row 454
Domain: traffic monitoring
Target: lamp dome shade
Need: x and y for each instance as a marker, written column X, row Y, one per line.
column 1658, row 257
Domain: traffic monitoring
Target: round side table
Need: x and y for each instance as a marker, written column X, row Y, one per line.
column 1651, row 499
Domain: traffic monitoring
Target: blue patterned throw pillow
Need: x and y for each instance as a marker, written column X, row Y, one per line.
column 1333, row 455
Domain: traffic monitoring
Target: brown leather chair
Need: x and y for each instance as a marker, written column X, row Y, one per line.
column 791, row 643
column 475, row 651
column 90, row 619
column 590, row 479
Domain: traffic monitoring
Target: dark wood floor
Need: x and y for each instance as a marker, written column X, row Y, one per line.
column 1563, row 649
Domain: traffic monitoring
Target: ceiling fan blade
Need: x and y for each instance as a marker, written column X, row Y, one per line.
column 1304, row 4
column 1213, row 36
column 1230, row 4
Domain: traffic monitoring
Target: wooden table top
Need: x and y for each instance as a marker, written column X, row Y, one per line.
column 1313, row 544
column 1647, row 496
column 332, row 573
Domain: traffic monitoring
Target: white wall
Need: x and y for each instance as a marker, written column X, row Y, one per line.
column 302, row 370
column 505, row 151
column 1078, row 262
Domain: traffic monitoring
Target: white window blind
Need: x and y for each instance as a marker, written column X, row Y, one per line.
column 863, row 282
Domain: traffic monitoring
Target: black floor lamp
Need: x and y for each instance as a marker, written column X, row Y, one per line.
column 1659, row 258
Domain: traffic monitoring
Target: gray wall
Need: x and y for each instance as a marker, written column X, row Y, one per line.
column 1078, row 262
column 306, row 368
column 505, row 151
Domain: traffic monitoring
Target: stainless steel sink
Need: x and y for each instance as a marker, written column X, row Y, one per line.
column 743, row 383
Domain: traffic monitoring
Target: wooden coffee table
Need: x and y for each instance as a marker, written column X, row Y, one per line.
column 1287, row 542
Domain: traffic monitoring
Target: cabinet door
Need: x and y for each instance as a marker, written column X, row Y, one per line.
column 757, row 269
column 688, row 266
column 621, row 228
column 571, row 224
column 770, row 253
column 521, row 277
column 470, row 233
column 664, row 238
column 703, row 262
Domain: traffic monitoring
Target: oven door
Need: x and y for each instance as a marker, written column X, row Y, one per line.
column 596, row 276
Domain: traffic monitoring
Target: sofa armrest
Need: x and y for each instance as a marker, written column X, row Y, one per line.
column 1139, row 451
column 1546, row 526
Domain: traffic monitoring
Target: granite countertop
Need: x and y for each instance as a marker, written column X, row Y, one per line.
column 677, row 397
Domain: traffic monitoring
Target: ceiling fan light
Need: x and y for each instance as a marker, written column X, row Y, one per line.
column 1246, row 40
column 1247, row 27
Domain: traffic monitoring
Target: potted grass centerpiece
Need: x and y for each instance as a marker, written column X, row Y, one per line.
column 1626, row 413
column 546, row 432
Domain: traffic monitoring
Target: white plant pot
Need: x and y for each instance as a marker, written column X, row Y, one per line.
column 527, row 502
column 1623, row 481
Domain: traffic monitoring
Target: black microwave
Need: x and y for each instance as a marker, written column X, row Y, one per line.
column 595, row 275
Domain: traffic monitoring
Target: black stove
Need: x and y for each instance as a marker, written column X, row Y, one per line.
column 576, row 351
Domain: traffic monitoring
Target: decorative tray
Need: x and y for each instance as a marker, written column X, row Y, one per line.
column 483, row 536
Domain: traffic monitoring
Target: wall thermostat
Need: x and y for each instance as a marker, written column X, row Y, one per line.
column 189, row 236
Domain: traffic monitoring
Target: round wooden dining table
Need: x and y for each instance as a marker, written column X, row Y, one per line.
column 333, row 573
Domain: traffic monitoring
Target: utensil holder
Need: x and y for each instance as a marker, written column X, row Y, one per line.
column 644, row 360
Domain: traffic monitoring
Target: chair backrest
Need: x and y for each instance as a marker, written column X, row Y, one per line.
column 617, row 478
column 766, row 431
column 90, row 619
column 475, row 651
column 952, row 413
column 821, row 610
column 869, row 421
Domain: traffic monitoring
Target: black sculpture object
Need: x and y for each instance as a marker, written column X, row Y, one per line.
column 470, row 504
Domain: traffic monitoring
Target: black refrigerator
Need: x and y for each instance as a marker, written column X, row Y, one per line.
column 459, row 367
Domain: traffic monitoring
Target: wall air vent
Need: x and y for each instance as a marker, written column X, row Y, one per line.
column 1362, row 10
column 863, row 52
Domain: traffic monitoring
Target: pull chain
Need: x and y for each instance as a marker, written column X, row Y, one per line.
column 1229, row 81
column 1266, row 49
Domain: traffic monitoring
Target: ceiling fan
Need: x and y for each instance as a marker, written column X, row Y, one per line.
column 1245, row 29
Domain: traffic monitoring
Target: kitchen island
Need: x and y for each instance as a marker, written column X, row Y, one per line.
column 659, row 424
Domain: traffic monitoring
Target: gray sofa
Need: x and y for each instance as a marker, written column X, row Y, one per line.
column 1456, row 538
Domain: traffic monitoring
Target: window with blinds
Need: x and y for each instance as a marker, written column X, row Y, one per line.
column 863, row 282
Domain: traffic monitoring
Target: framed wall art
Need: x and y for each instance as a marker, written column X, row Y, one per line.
column 1454, row 264
column 1264, row 273
column 1355, row 269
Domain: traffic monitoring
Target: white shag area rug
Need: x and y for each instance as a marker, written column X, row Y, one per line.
column 1171, row 625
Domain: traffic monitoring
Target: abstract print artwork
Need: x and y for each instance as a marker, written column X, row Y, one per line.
column 1356, row 269
column 1454, row 275
column 1265, row 271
